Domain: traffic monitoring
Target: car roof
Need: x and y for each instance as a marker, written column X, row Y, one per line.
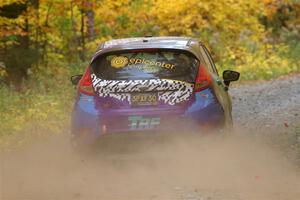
column 180, row 43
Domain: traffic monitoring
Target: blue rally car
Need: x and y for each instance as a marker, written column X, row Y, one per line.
column 150, row 84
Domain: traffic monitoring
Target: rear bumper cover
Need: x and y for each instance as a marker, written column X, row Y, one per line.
column 89, row 123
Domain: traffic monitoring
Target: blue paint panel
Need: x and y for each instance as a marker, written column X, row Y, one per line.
column 85, row 115
column 87, row 104
column 202, row 100
column 205, row 108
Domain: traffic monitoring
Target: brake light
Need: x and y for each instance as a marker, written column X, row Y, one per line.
column 143, row 50
column 85, row 84
column 203, row 79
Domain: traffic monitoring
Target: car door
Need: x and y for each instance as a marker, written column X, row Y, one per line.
column 218, row 84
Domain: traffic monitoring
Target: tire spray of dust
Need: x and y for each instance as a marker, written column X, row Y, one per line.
column 158, row 166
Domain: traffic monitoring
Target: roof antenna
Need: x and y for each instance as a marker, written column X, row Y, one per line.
column 147, row 36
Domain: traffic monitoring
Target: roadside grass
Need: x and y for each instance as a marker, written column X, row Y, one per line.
column 31, row 114
column 42, row 108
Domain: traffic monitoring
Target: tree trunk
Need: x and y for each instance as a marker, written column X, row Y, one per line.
column 90, row 21
column 73, row 43
column 82, row 50
column 36, row 5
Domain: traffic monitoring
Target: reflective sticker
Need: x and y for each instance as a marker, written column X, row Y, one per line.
column 140, row 122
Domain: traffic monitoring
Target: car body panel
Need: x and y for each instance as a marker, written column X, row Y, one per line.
column 111, row 111
column 88, row 115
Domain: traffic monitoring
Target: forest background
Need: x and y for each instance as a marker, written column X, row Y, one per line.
column 44, row 42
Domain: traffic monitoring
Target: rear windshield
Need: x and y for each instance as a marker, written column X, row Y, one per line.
column 133, row 65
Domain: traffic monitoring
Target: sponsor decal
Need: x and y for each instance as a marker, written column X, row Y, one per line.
column 119, row 61
column 140, row 63
column 140, row 122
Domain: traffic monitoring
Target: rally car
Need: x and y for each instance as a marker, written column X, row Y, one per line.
column 150, row 84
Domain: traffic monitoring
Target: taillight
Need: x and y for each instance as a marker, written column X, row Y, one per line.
column 85, row 84
column 203, row 79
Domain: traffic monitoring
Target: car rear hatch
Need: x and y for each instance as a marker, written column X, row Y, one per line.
column 143, row 89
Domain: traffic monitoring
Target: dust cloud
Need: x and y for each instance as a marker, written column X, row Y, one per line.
column 151, row 166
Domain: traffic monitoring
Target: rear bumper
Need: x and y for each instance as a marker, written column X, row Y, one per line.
column 89, row 123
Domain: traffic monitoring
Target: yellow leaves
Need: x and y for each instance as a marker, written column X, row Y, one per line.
column 93, row 45
column 270, row 8
column 122, row 18
column 175, row 17
column 264, row 63
column 11, row 26
column 120, row 3
column 7, row 2
column 187, row 17
column 228, row 24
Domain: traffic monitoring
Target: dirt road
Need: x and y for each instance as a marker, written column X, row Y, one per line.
column 243, row 166
column 270, row 105
column 270, row 110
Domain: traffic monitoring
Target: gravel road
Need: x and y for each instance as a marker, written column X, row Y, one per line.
column 270, row 110
column 235, row 167
column 269, row 105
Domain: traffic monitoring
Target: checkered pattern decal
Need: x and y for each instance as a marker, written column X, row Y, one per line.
column 169, row 91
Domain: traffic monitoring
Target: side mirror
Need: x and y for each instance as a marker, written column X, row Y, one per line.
column 229, row 75
column 75, row 79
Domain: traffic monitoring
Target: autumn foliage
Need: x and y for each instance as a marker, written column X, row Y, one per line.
column 71, row 30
